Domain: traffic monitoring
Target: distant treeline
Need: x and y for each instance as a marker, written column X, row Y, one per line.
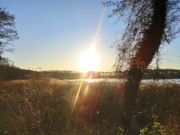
column 155, row 74
column 162, row 74
column 10, row 72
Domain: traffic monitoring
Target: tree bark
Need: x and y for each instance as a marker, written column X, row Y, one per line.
column 147, row 49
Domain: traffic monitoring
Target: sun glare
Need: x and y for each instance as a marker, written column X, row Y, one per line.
column 89, row 60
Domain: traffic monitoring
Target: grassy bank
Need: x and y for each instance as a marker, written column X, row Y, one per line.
column 46, row 108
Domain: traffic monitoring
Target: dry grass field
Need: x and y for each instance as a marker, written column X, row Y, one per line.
column 50, row 107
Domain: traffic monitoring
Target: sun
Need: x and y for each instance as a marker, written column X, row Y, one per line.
column 89, row 60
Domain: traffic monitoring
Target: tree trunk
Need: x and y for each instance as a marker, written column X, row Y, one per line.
column 148, row 47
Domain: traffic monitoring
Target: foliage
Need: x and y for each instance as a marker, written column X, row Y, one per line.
column 10, row 72
column 8, row 32
column 45, row 107
column 156, row 129
column 138, row 15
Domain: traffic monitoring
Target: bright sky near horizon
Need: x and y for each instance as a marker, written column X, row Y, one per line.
column 55, row 33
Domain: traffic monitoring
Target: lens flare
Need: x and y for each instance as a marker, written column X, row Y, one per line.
column 89, row 61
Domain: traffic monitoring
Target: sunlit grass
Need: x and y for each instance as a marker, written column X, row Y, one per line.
column 45, row 107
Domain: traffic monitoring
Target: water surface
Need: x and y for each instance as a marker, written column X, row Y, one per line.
column 122, row 80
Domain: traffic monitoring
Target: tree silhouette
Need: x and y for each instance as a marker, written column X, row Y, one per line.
column 150, row 23
column 8, row 32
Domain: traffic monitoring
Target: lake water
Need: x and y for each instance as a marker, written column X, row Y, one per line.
column 122, row 80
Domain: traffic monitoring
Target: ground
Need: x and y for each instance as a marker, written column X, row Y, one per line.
column 49, row 107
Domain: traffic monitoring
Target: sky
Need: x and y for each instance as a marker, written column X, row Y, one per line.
column 55, row 33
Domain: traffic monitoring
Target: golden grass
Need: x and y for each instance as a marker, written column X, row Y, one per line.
column 45, row 107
